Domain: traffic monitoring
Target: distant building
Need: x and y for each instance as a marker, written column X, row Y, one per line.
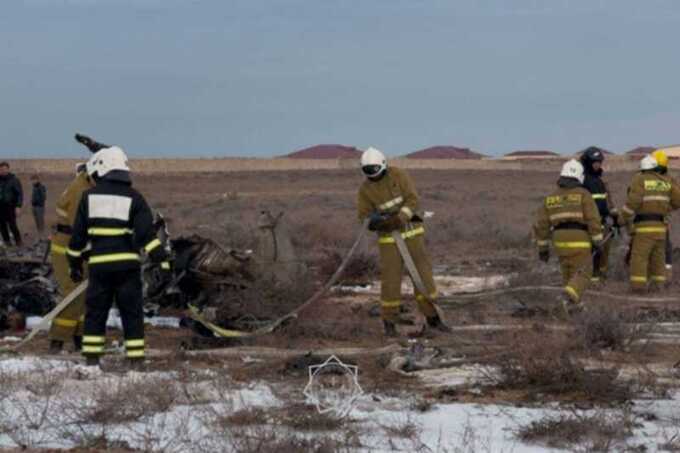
column 326, row 152
column 532, row 154
column 445, row 152
column 673, row 151
column 640, row 152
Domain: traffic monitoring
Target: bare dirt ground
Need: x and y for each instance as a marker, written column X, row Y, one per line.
column 481, row 227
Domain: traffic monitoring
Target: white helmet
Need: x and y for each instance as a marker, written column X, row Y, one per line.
column 648, row 163
column 108, row 160
column 373, row 162
column 573, row 169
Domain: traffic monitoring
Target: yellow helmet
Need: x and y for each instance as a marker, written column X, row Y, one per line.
column 661, row 157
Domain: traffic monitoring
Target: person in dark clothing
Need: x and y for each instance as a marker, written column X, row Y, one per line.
column 592, row 159
column 11, row 200
column 38, row 199
column 113, row 224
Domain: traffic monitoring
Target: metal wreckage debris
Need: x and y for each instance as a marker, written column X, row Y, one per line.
column 228, row 293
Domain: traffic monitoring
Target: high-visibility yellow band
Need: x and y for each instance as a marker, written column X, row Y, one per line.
column 73, row 253
column 152, row 245
column 638, row 279
column 113, row 257
column 390, row 303
column 406, row 235
column 65, row 322
column 543, row 243
column 134, row 343
column 656, row 198
column 572, row 293
column 58, row 249
column 94, row 339
column 567, row 215
column 407, row 212
column 659, row 229
column 165, row 265
column 108, row 231
column 391, row 203
column 658, row 278
column 573, row 245
column 599, row 196
column 595, row 279
column 62, row 213
column 135, row 353
column 420, row 297
column 87, row 349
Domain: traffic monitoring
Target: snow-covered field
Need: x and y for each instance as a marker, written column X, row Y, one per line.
column 48, row 403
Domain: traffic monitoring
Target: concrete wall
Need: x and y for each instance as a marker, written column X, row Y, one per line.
column 618, row 163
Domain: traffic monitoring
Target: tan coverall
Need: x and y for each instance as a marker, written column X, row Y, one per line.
column 651, row 197
column 571, row 215
column 395, row 194
column 69, row 322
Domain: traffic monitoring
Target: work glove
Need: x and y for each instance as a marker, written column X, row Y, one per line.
column 392, row 223
column 375, row 221
column 75, row 272
column 544, row 255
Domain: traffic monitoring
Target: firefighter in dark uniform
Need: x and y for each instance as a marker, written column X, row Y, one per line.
column 113, row 224
column 592, row 159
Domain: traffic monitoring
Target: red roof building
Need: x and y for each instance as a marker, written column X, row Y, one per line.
column 326, row 152
column 445, row 152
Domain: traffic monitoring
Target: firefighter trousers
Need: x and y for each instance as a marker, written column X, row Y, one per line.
column 392, row 270
column 647, row 261
column 125, row 288
column 68, row 323
column 577, row 270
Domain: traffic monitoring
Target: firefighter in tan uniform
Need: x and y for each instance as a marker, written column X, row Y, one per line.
column 652, row 196
column 68, row 325
column 571, row 217
column 389, row 199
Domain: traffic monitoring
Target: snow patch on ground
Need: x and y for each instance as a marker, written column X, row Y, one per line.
column 41, row 385
column 115, row 321
column 446, row 285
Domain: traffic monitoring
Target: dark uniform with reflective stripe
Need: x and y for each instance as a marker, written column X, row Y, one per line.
column 570, row 216
column 602, row 197
column 651, row 197
column 395, row 194
column 114, row 223
column 68, row 323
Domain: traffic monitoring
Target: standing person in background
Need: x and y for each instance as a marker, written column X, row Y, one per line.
column 38, row 199
column 11, row 200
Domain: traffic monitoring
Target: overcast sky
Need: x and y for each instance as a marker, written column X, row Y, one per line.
column 265, row 77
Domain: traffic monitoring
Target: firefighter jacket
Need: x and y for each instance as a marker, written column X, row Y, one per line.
column 601, row 195
column 393, row 194
column 113, row 224
column 67, row 206
column 651, row 197
column 570, row 218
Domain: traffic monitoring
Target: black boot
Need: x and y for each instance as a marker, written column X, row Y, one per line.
column 56, row 346
column 78, row 342
column 390, row 329
column 435, row 322
column 92, row 360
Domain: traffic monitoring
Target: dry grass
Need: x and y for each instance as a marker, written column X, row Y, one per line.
column 593, row 432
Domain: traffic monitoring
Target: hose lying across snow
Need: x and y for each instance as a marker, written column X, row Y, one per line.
column 451, row 300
